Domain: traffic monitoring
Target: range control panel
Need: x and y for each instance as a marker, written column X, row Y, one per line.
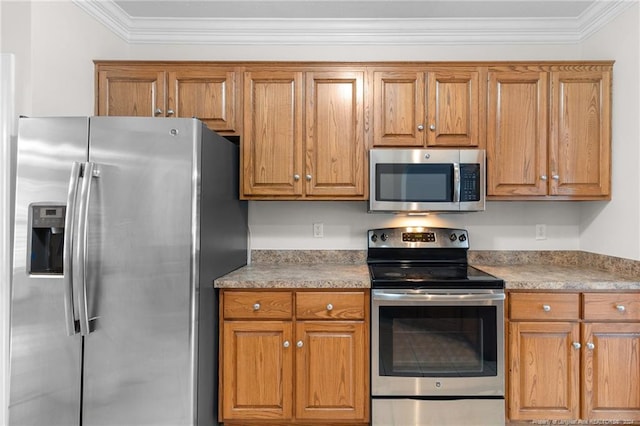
column 418, row 237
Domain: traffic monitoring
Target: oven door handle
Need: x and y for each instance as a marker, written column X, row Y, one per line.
column 405, row 296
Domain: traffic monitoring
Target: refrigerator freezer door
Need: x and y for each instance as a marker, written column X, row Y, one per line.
column 45, row 362
column 142, row 241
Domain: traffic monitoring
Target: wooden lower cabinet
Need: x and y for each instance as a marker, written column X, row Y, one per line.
column 574, row 356
column 294, row 357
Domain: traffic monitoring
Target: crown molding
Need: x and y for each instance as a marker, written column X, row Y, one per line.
column 231, row 31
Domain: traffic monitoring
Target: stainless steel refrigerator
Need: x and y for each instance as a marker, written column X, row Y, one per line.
column 121, row 226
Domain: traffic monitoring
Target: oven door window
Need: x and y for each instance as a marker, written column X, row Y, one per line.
column 438, row 341
column 414, row 182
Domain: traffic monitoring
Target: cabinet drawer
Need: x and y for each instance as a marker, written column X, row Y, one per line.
column 544, row 306
column 330, row 305
column 615, row 307
column 257, row 304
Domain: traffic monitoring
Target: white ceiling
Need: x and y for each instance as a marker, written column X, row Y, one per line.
column 354, row 21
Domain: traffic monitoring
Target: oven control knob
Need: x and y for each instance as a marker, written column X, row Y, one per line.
column 453, row 237
column 374, row 238
column 384, row 237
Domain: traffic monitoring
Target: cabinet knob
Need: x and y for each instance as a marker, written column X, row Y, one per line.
column 286, row 344
column 432, row 127
column 256, row 306
column 157, row 112
column 420, row 127
column 170, row 112
column 543, row 177
column 576, row 345
column 329, row 307
column 299, row 344
column 546, row 308
column 296, row 177
column 555, row 177
column 590, row 346
column 308, row 177
column 620, row 308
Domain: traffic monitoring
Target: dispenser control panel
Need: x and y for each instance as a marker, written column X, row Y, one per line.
column 48, row 216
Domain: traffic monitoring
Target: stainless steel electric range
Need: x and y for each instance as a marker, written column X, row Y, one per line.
column 437, row 331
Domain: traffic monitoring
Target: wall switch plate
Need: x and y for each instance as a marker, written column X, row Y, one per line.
column 541, row 232
column 318, row 230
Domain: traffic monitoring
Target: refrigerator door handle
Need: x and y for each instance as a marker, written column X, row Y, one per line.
column 67, row 256
column 80, row 254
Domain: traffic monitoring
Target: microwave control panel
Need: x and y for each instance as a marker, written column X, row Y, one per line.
column 469, row 182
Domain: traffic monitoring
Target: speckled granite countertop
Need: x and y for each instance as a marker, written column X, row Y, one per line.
column 559, row 277
column 551, row 270
column 297, row 275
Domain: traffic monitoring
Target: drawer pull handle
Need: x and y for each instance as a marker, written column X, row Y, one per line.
column 329, row 307
column 546, row 308
column 620, row 308
column 256, row 306
column 299, row 344
column 286, row 344
column 576, row 345
column 590, row 346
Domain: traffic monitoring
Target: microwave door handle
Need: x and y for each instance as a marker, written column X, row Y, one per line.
column 67, row 255
column 456, row 183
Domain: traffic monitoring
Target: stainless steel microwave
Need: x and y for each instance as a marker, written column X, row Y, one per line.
column 425, row 180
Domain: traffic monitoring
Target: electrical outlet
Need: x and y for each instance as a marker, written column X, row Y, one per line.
column 318, row 230
column 541, row 232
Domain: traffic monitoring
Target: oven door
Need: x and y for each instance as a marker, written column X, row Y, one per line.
column 437, row 343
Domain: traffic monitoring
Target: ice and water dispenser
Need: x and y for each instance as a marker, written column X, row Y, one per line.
column 47, row 239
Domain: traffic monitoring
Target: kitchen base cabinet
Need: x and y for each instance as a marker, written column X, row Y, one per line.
column 574, row 356
column 294, row 357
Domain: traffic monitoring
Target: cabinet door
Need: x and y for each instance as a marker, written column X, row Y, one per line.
column 257, row 373
column 453, row 108
column 517, row 133
column 207, row 93
column 131, row 91
column 611, row 371
column 335, row 151
column 272, row 144
column 398, row 108
column 580, row 150
column 543, row 370
column 332, row 371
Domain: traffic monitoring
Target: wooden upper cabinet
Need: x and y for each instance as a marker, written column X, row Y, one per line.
column 399, row 104
column 549, row 132
column 326, row 158
column 206, row 92
column 580, row 139
column 453, row 108
column 272, row 142
column 130, row 91
column 517, row 133
column 335, row 137
column 438, row 108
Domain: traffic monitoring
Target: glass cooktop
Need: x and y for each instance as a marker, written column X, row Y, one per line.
column 429, row 275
